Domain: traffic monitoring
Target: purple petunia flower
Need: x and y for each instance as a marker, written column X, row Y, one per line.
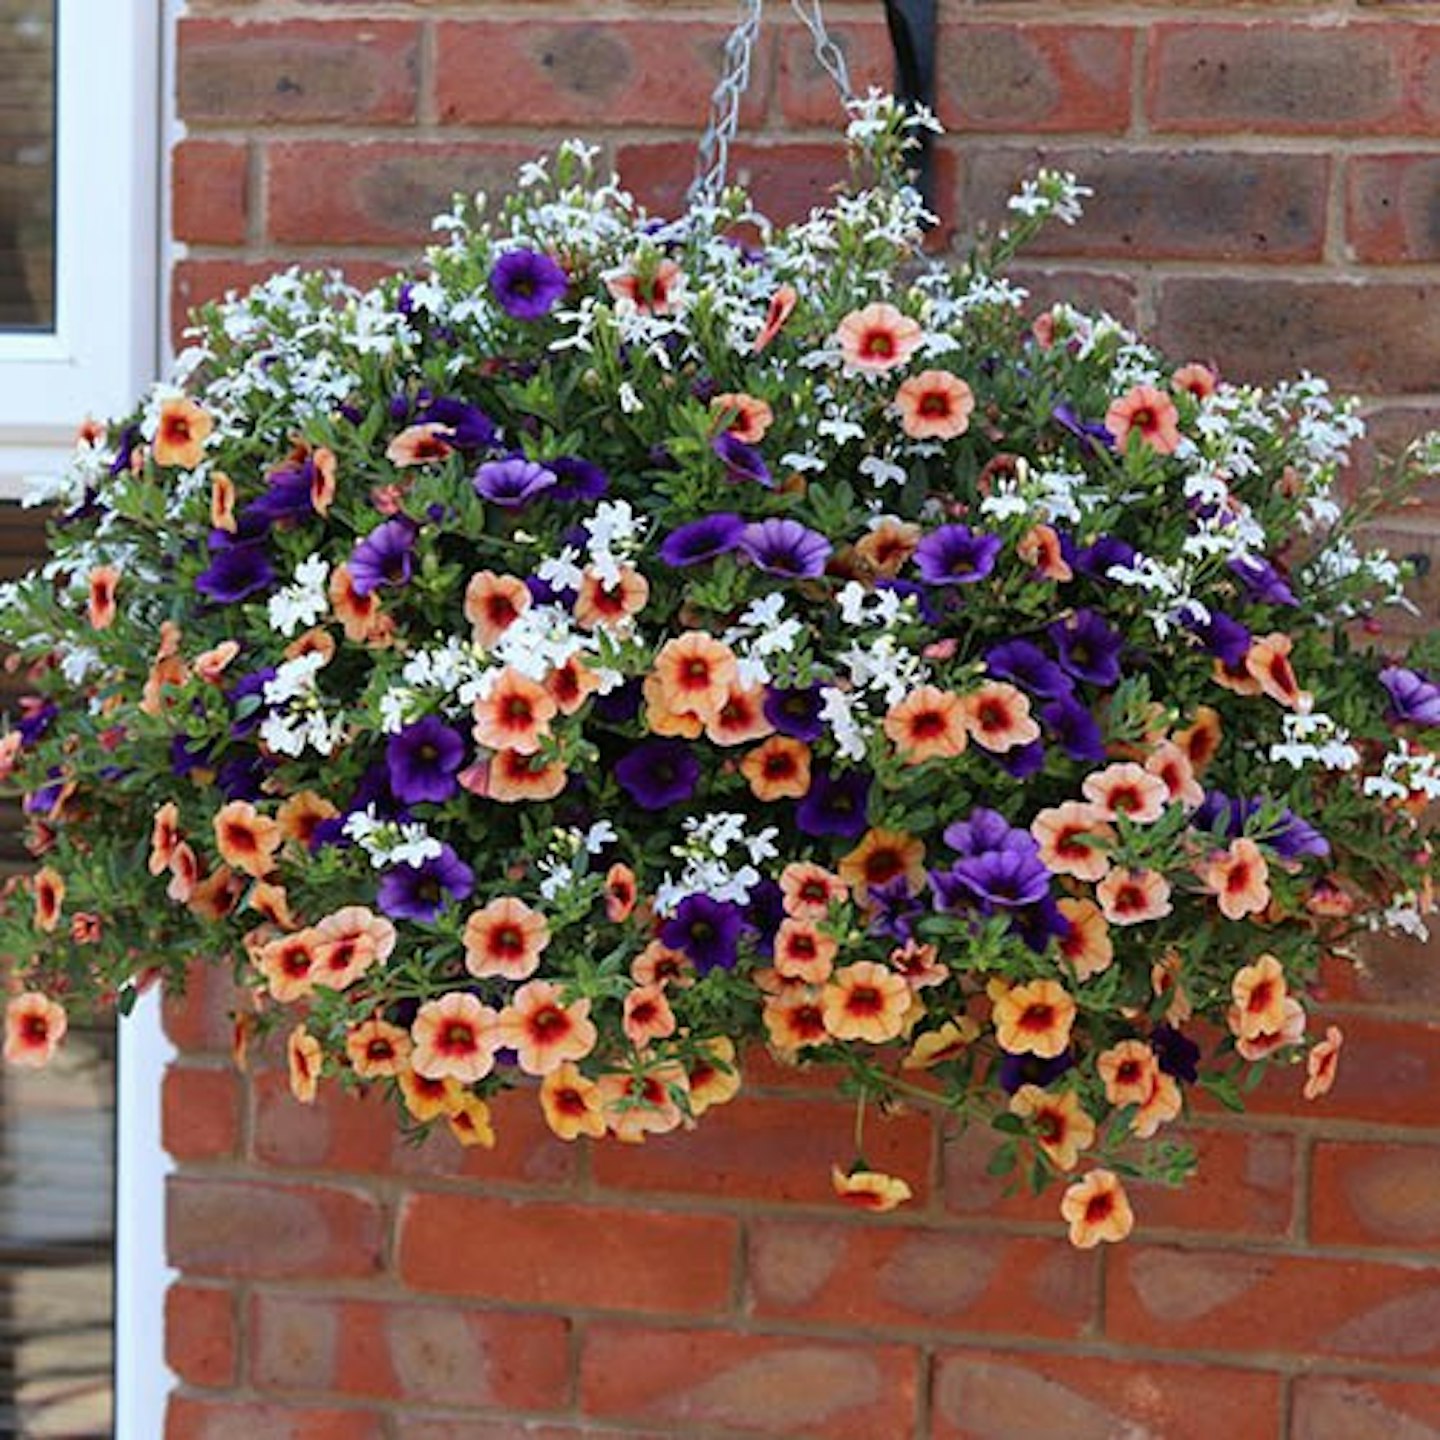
column 1023, row 761
column 576, row 479
column 1089, row 649
column 527, row 284
column 512, row 483
column 1414, row 699
column 956, row 555
column 423, row 760
column 1226, row 639
column 984, row 831
column 786, row 548
column 894, row 910
column 795, row 713
column 835, row 804
column 420, row 892
column 1015, row 1071
column 35, row 720
column 384, row 557
column 1097, row 558
column 706, row 930
column 470, row 427
column 235, row 572
column 657, row 773
column 1029, row 667
column 1039, row 924
column 1089, row 432
column 1077, row 730
column 286, row 495
column 764, row 912
column 1178, row 1054
column 1004, row 878
column 1262, row 580
column 702, row 540
column 1294, row 838
column 741, row 461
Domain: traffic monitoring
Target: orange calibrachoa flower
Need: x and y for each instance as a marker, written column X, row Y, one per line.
column 712, row 1075
column 935, row 1047
column 888, row 545
column 1034, row 1019
column 878, row 338
column 620, row 893
column 1129, row 1071
column 571, row 1104
column 935, row 405
column 362, row 616
column 288, row 965
column 741, row 718
column 300, row 816
column 743, row 416
column 304, row 1059
column 469, row 1122
column 247, row 839
column 505, row 938
column 1059, row 1123
column 1039, row 547
column 997, row 716
column 869, row 1189
column 1131, row 897
column 49, row 899
column 1322, row 1063
column 428, row 1099
column 781, row 307
column 1148, row 413
column 510, row 776
column 100, row 608
column 183, row 429
column 420, row 445
column 348, row 943
column 648, row 1015
column 778, row 769
column 804, row 952
column 542, row 1031
column 603, row 605
column 493, row 603
column 1268, row 663
column 928, row 724
column 1126, row 789
column 865, row 1001
column 1172, row 766
column 1199, row 380
column 794, row 1019
column 808, row 890
column 1200, row 740
column 272, row 903
column 640, row 1104
column 455, row 1037
column 1163, row 1104
column 34, row 1027
column 514, row 714
column 883, row 855
column 1239, row 879
column 213, row 663
column 919, row 962
column 1059, row 832
column 1259, row 992
column 1087, row 944
column 1097, row 1209
column 660, row 719
column 376, row 1048
column 570, row 685
column 695, row 673
column 222, row 502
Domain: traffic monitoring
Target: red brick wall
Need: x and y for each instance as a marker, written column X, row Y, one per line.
column 1268, row 197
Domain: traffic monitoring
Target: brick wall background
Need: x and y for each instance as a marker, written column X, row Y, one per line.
column 1268, row 196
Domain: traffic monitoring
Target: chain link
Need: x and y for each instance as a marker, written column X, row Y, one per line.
column 827, row 52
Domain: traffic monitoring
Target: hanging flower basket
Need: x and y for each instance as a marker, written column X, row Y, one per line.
column 627, row 643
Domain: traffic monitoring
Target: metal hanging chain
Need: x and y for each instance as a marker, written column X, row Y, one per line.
column 712, row 162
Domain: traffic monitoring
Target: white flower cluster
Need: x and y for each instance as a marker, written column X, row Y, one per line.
column 301, row 604
column 566, row 859
column 1314, row 739
column 298, row 719
column 720, row 860
column 388, row 843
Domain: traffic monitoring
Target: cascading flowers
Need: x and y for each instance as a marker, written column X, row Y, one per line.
column 623, row 643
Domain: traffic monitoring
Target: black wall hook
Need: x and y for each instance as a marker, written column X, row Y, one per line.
column 913, row 25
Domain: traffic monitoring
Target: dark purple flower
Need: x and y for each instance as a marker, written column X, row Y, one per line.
column 1089, row 432
column 702, row 540
column 1089, row 649
column 894, row 910
column 250, row 687
column 286, row 495
column 44, row 800
column 130, row 437
column 1023, row 761
column 1015, row 1071
column 764, row 911
column 1040, row 924
column 741, row 461
column 1262, row 580
column 1096, row 559
column 1029, row 667
column 706, row 930
column 235, row 572
column 35, row 720
column 512, row 483
column 470, row 427
column 1177, row 1053
column 956, row 555
column 795, row 713
column 1226, row 639
column 1004, row 878
column 1077, row 730
column 657, row 773
column 835, row 804
column 527, row 285
column 243, row 777
column 576, row 479
column 984, row 831
column 423, row 760
column 384, row 557
column 1295, row 838
column 420, row 892
column 621, row 705
column 786, row 548
column 1414, row 699
column 188, row 756
column 1219, row 814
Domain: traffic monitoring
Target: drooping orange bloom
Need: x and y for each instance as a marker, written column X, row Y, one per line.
column 1239, row 879
column 778, row 769
column 878, row 338
column 1235, row 678
column 304, row 1059
column 100, row 607
column 420, row 445
column 493, row 603
column 1097, row 1209
column 212, row 664
column 1131, row 897
column 1126, row 789
column 1034, row 1019
column 1173, row 768
column 455, row 1037
column 998, row 717
column 1166, row 979
column 288, row 965
column 795, row 1019
column 469, row 1122
column 49, row 899
column 271, row 902
column 1060, row 832
column 184, row 874
column 935, row 405
column 744, row 416
column 542, row 1031
column 620, row 893
column 601, row 605
column 570, row 685
column 315, row 641
column 695, row 673
column 1148, row 413
column 713, row 1075
column 888, row 545
column 865, row 1001
column 1268, row 663
column 928, row 724
column 948, row 1042
column 34, row 1027
column 322, row 480
column 1199, row 380
column 300, row 815
column 363, row 616
column 571, row 1104
column 869, row 1189
column 514, row 715
column 428, row 1099
column 808, row 890
column 164, row 837
column 660, row 719
column 348, row 942
column 1039, row 548
column 782, row 305
column 1164, row 1104
column 1322, row 1063
column 180, row 438
column 741, row 718
column 1058, row 1122
column 377, row 1048
column 222, row 502
column 637, row 1105
column 247, row 839
column 804, row 952
column 1129, row 1071
column 647, row 1016
column 1086, row 945
column 1200, row 740
column 505, row 938
column 510, row 776
column 1259, row 993
column 919, row 963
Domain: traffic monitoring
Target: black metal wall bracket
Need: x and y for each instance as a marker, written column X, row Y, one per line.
column 913, row 25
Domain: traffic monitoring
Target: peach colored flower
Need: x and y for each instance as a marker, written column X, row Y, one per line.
column 1268, row 663
column 741, row 718
column 247, row 839
column 1239, row 879
column 288, row 965
column 1126, row 789
column 1199, row 380
column 514, row 715
column 469, row 1122
column 865, row 1001
column 882, row 856
column 1097, row 1209
column 1058, row 1122
column 782, row 305
column 661, row 719
column 322, row 480
column 778, row 769
column 935, row 405
column 1034, row 1019
column 100, row 607
column 571, row 684
column 1200, row 740
column 1172, row 767
column 804, row 952
column 510, row 777
column 1131, row 897
column 651, row 294
column 1322, row 1062
column 1039, row 548
column 420, row 445
column 164, row 837
column 301, row 815
column 713, row 1075
column 745, row 417
column 304, row 1059
column 455, row 1038
column 34, row 1027
column 222, row 502
column 878, row 338
column 428, row 1099
column 637, row 1105
column 695, row 674
column 181, row 434
column 363, row 616
column 1262, row 1046
column 348, row 942
column 505, row 938
column 184, row 874
column 211, row 665
column 998, row 717
column 920, row 964
column 647, row 1016
column 542, row 1031
column 601, row 605
column 888, row 545
column 1148, row 413
column 928, row 724
column 808, row 890
column 1086, row 945
column 1161, row 1106
column 795, row 1019
column 948, row 1042
column 1259, row 992
column 1060, row 831
column 493, row 603
column 571, row 1104
column 1129, row 1071
column 869, row 1189
column 49, row 899
column 620, row 893
column 376, row 1049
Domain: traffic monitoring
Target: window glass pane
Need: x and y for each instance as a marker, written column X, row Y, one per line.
column 27, row 164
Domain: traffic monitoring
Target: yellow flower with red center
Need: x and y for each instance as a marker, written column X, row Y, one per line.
column 865, row 1001
column 882, row 856
column 420, row 445
column 1131, row 896
column 928, row 724
column 571, row 1104
column 34, row 1027
column 542, row 1031
column 348, row 943
column 606, row 605
column 322, row 480
column 1322, row 1063
column 1097, row 1209
column 712, row 1074
column 808, row 890
column 804, row 952
column 694, row 674
column 741, row 718
column 376, row 1048
column 637, row 1105
column 428, row 1099
column 514, row 715
column 877, row 338
column 887, row 545
column 998, row 718
column 455, row 1038
column 469, row 1122
column 181, row 433
column 795, row 1019
column 1267, row 661
column 935, row 405
column 948, row 1042
column 100, row 607
column 493, row 603
column 304, row 1059
column 745, row 417
column 1239, row 879
column 1034, row 1019
column 49, row 898
column 647, row 1015
column 1039, row 547
column 1058, row 1122
column 1129, row 1071
column 247, row 839
column 1086, row 945
column 1148, row 413
column 869, row 1189
column 505, row 938
column 1165, row 979
column 778, row 769
column 1060, row 832
column 1259, row 992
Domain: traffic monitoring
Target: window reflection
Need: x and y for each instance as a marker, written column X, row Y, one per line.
column 27, row 164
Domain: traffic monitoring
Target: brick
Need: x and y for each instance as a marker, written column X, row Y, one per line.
column 550, row 1254
column 1364, row 1409
column 200, row 1334
column 1396, row 970
column 200, row 1112
column 570, row 72
column 355, row 72
column 359, row 1134
column 445, row 1356
column 806, row 94
column 1416, row 538
column 209, row 196
column 1090, row 290
column 997, row 1395
column 1181, row 1299
column 769, row 1385
column 1364, row 1194
column 1381, row 337
column 1392, row 208
column 190, row 1417
column 262, row 1230
column 411, row 1426
column 1166, row 205
column 870, row 1275
column 1287, row 79
column 199, row 1019
column 770, row 1149
column 337, row 192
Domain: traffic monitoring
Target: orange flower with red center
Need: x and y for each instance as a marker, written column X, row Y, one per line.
column 603, row 605
column 376, row 1048
column 877, row 338
column 180, row 437
column 100, row 607
column 542, row 1031
column 34, row 1027
column 302, row 814
column 781, row 307
column 660, row 719
column 1200, row 740
column 505, row 938
column 807, row 890
column 1322, row 1063
column 997, row 716
column 778, row 769
column 1198, row 380
column 869, row 1189
column 713, row 1075
column 420, row 445
column 639, row 1105
column 1059, row 1123
column 493, row 603
column 184, row 874
column 1148, row 413
column 571, row 684
column 428, row 1099
column 1039, row 547
column 920, row 964
column 1259, row 993
column 222, row 502
column 469, row 1122
column 1129, row 1071
column 1062, row 831
column 1086, row 945
column 213, row 663
column 304, row 1059
column 948, row 1042
column 935, row 405
column 514, row 715
column 288, row 965
column 455, row 1037
column 348, row 943
column 651, row 294
column 1097, row 1209
column 620, row 893
column 1172, row 767
column 1268, row 663
column 743, row 416
column 49, row 899
column 571, row 1104
column 658, row 964
column 1239, row 879
column 695, row 674
column 647, row 1016
column 881, row 856
column 510, row 776
column 1235, row 678
column 795, row 1019
column 1126, row 789
column 362, row 616
column 1129, row 896
column 888, row 545
column 1163, row 1105
column 164, row 837
column 741, row 718
column 246, row 839
column 928, row 724
column 1034, row 1019
column 865, row 1001
column 804, row 952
